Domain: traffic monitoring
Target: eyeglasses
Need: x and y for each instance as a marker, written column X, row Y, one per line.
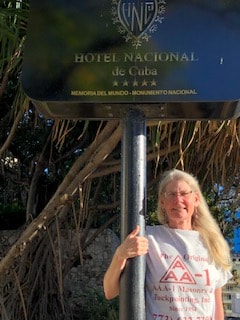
column 172, row 195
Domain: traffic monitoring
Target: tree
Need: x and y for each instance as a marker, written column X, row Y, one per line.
column 67, row 175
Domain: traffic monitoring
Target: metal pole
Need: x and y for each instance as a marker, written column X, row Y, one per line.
column 133, row 207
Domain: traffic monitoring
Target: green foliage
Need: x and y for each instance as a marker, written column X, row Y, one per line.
column 224, row 207
column 13, row 23
column 98, row 308
column 12, row 216
column 151, row 217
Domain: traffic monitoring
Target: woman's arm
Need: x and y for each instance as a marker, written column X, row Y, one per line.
column 219, row 311
column 131, row 247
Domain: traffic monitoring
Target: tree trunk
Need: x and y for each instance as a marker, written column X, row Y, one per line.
column 85, row 165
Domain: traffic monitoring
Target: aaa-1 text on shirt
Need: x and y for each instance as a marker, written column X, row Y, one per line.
column 180, row 277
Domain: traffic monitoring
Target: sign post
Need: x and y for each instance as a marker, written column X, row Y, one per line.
column 133, row 207
column 133, row 60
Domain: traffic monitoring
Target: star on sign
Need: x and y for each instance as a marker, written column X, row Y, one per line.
column 153, row 83
column 135, row 83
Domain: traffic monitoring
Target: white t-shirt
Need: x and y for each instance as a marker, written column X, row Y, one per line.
column 180, row 278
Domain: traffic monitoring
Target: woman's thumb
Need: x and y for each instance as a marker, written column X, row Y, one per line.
column 135, row 232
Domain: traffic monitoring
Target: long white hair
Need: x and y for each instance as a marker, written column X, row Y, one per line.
column 202, row 219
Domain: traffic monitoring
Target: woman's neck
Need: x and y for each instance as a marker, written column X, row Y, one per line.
column 185, row 225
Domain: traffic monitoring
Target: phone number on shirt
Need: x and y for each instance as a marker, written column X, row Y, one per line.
column 162, row 317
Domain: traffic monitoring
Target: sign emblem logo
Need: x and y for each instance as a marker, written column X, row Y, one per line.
column 137, row 20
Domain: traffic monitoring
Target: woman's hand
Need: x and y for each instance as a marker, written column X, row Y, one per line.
column 133, row 245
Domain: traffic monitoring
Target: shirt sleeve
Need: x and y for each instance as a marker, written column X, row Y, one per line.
column 224, row 277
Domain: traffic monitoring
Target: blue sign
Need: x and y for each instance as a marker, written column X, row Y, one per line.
column 116, row 52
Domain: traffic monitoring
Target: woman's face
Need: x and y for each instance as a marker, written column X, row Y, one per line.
column 179, row 202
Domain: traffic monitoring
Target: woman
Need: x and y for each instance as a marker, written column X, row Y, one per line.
column 188, row 260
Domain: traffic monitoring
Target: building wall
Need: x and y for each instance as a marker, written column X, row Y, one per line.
column 86, row 276
column 231, row 292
